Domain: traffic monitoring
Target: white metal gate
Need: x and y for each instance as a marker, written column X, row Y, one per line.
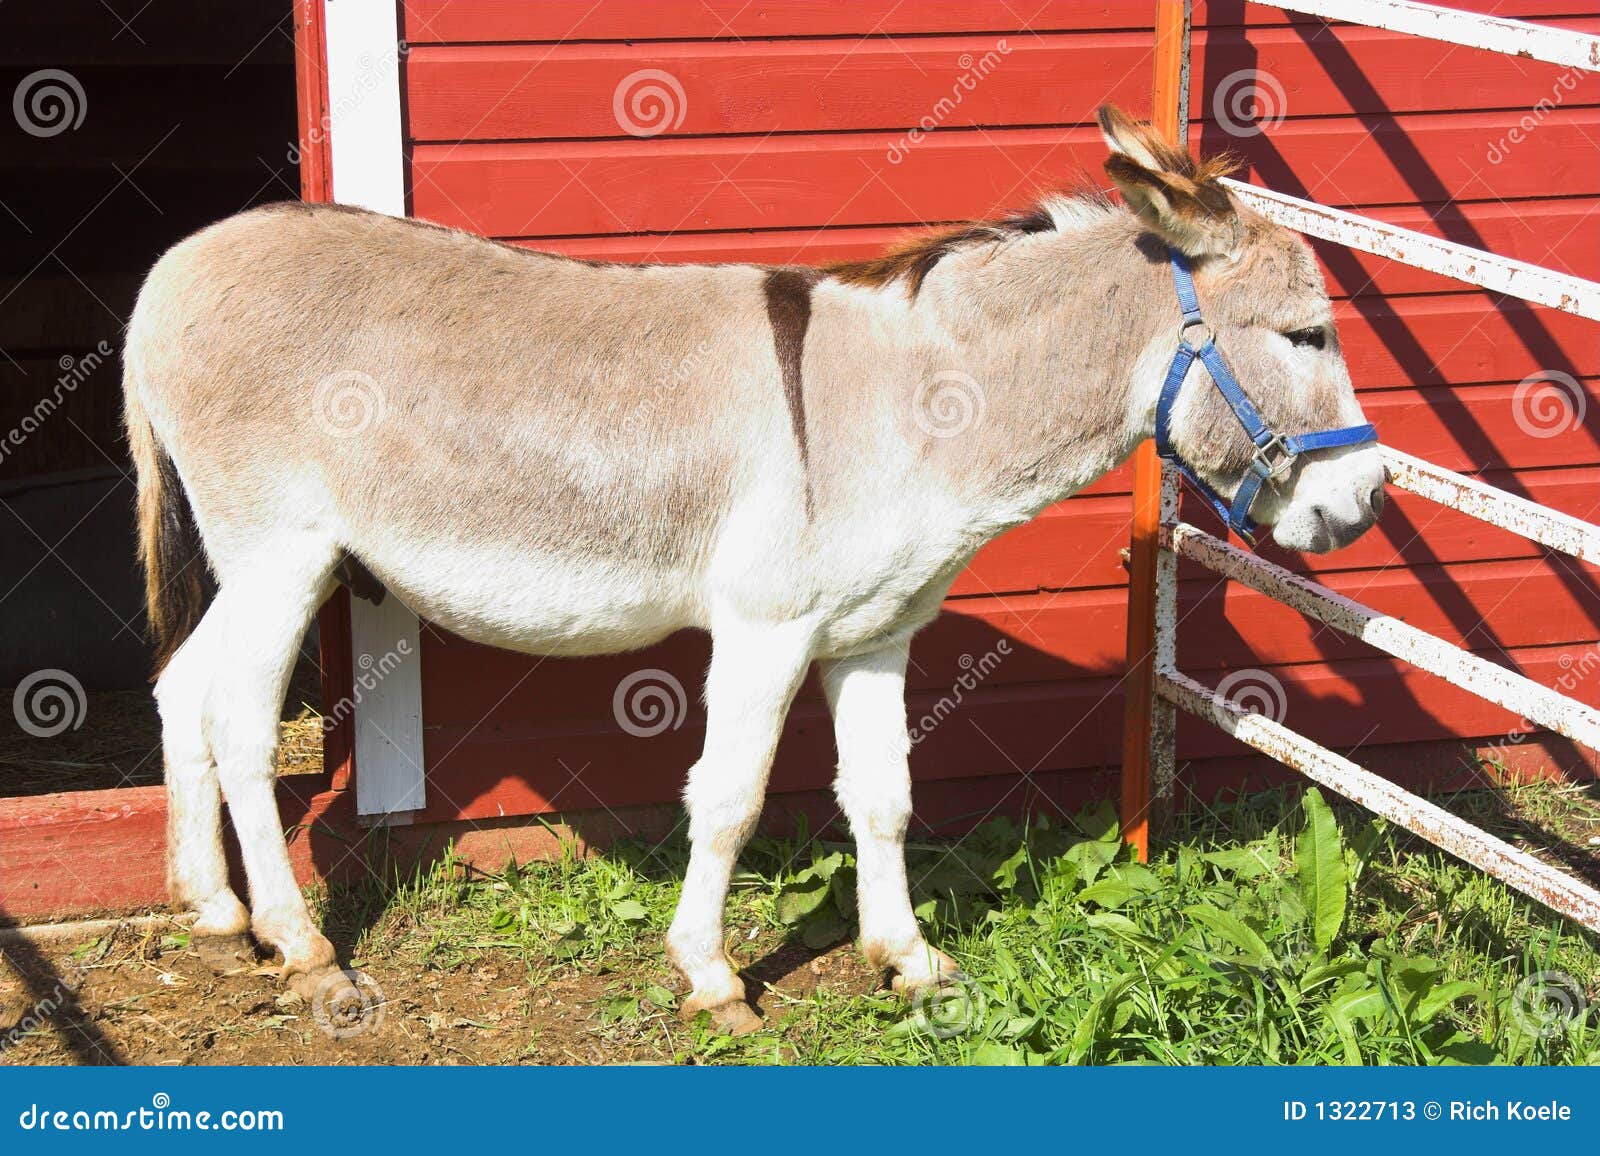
column 1157, row 687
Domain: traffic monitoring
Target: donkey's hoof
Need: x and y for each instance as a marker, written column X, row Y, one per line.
column 225, row 953
column 333, row 996
column 925, row 970
column 733, row 1018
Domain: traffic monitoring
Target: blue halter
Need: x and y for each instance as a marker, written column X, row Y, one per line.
column 1274, row 452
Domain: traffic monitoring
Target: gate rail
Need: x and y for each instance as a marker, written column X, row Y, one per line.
column 1155, row 684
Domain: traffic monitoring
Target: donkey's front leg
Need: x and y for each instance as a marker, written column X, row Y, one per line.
column 868, row 694
column 755, row 669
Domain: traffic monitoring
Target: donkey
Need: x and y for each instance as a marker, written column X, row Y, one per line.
column 845, row 441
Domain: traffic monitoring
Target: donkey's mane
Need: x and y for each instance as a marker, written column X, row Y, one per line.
column 913, row 259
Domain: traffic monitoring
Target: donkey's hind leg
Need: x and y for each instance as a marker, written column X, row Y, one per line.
column 261, row 611
column 197, row 870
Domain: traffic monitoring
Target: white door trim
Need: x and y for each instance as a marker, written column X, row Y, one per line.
column 365, row 142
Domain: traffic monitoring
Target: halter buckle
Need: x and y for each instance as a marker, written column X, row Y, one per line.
column 1272, row 457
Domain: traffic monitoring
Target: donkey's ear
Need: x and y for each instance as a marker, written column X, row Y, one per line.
column 1177, row 197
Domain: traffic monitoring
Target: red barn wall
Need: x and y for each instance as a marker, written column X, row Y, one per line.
column 792, row 148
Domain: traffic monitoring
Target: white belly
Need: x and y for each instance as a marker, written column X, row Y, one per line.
column 537, row 603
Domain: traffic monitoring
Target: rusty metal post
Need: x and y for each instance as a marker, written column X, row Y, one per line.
column 1148, row 721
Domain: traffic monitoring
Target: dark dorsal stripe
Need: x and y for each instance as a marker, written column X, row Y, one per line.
column 788, row 292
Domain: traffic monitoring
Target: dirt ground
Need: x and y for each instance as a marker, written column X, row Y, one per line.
column 142, row 994
column 145, row 997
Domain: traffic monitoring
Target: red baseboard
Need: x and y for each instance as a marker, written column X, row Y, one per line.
column 86, row 853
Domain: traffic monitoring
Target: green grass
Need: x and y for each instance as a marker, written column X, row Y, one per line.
column 1271, row 931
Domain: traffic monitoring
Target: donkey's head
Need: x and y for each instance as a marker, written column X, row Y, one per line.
column 1265, row 308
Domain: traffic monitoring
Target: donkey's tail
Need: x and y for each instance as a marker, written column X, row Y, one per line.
column 169, row 542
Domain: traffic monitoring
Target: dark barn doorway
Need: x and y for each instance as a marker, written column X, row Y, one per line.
column 127, row 125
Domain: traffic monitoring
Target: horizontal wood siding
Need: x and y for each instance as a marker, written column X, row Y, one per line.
column 795, row 145
column 493, row 21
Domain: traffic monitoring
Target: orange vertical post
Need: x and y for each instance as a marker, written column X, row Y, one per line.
column 316, row 185
column 311, row 98
column 1169, row 111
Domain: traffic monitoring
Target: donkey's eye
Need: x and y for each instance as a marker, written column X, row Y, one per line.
column 1315, row 337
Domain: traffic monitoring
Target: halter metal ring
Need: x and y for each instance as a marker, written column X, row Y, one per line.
column 1272, row 458
column 1206, row 336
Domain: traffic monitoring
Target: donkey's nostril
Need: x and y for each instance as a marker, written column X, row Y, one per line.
column 1375, row 501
